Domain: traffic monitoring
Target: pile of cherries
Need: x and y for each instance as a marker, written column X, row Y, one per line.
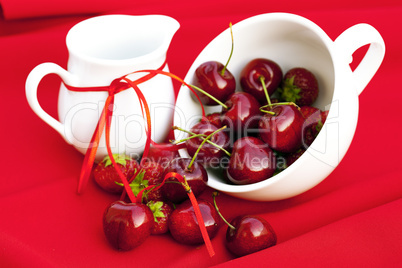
column 260, row 131
column 265, row 127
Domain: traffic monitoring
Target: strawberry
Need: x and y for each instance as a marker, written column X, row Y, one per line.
column 161, row 211
column 314, row 120
column 149, row 175
column 106, row 176
column 300, row 86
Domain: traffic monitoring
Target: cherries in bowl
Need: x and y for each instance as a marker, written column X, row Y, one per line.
column 292, row 41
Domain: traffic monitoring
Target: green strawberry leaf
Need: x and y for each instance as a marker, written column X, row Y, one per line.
column 138, row 183
column 156, row 208
column 290, row 92
column 119, row 158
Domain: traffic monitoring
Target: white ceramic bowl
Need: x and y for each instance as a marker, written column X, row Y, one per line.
column 293, row 41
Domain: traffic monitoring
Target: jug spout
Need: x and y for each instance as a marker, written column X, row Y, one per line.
column 163, row 27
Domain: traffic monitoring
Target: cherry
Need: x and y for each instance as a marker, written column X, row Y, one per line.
column 242, row 112
column 183, row 224
column 254, row 71
column 247, row 234
column 282, row 128
column 213, row 78
column 250, row 234
column 213, row 118
column 127, row 225
column 195, row 174
column 163, row 153
column 251, row 161
column 208, row 153
column 209, row 77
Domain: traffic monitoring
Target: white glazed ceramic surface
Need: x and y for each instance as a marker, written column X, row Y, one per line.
column 102, row 49
column 293, row 41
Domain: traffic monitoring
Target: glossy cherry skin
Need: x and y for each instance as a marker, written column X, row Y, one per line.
column 282, row 131
column 127, row 225
column 163, row 153
column 251, row 161
column 214, row 118
column 196, row 177
column 183, row 224
column 209, row 155
column 242, row 113
column 208, row 76
column 251, row 234
column 250, row 78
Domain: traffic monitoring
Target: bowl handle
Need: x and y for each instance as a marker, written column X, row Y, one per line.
column 354, row 38
column 31, row 91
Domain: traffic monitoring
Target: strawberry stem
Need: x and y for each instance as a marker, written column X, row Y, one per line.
column 231, row 51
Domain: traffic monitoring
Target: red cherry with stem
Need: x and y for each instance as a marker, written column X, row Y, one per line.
column 163, row 153
column 127, row 225
column 184, row 226
column 251, row 74
column 213, row 78
column 251, row 161
column 282, row 131
column 247, row 234
column 242, row 113
column 281, row 126
column 208, row 153
column 250, row 234
column 195, row 175
column 213, row 118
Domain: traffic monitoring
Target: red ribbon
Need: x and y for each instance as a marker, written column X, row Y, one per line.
column 118, row 85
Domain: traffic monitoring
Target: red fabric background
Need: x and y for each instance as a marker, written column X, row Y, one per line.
column 352, row 218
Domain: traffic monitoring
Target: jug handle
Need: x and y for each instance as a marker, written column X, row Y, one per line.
column 354, row 38
column 31, row 90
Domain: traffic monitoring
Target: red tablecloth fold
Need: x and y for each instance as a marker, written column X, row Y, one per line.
column 352, row 218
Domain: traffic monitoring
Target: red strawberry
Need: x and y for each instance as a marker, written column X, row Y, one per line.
column 161, row 211
column 153, row 175
column 300, row 86
column 106, row 175
column 150, row 175
column 314, row 120
column 291, row 158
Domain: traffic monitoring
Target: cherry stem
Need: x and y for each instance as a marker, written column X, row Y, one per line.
column 188, row 138
column 214, row 195
column 202, row 137
column 202, row 143
column 210, row 96
column 262, row 79
column 231, row 51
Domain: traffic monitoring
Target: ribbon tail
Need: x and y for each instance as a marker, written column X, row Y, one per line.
column 109, row 151
column 90, row 154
